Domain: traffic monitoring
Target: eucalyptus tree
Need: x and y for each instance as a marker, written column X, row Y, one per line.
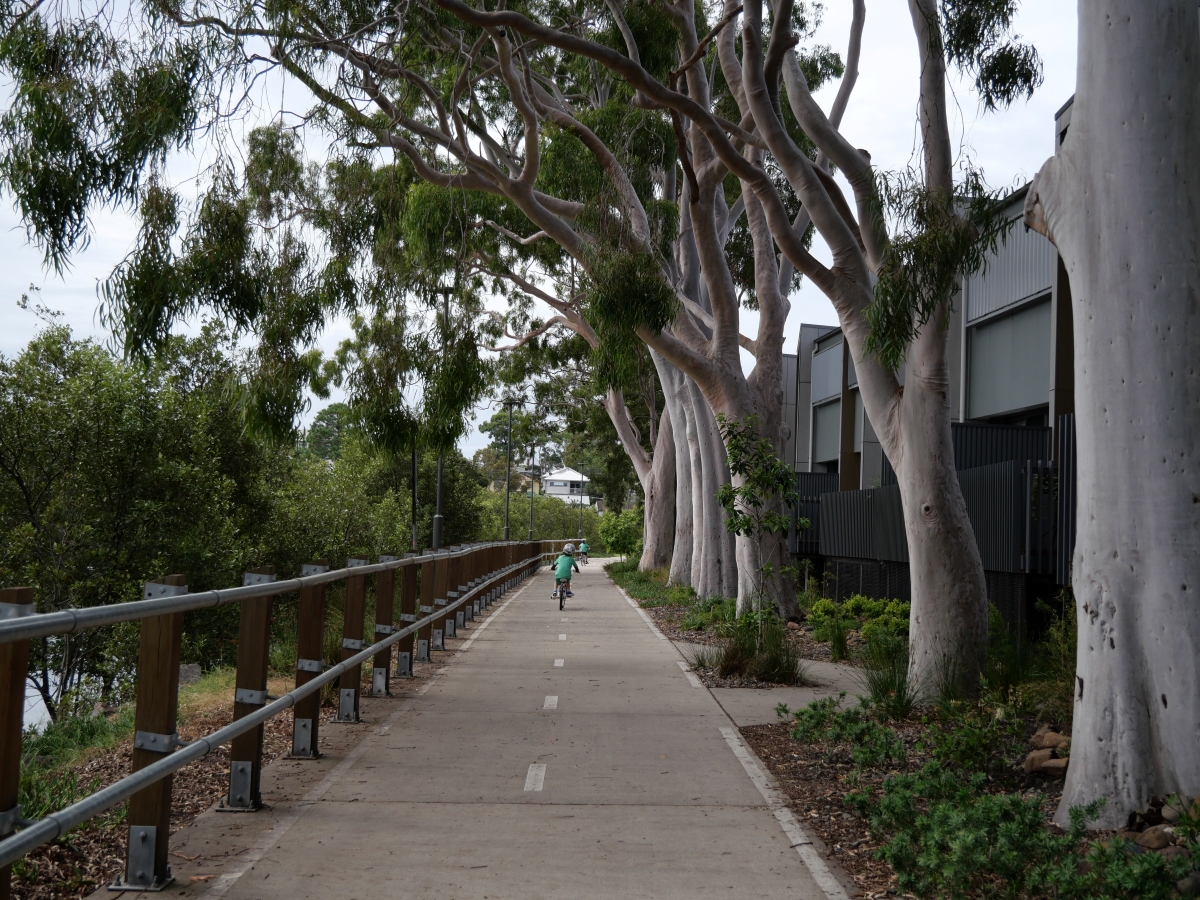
column 603, row 143
column 1121, row 201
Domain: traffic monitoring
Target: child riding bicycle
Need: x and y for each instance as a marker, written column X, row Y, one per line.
column 583, row 552
column 562, row 574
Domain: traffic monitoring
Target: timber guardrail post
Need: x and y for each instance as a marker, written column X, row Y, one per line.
column 353, row 613
column 450, row 620
column 425, row 632
column 155, row 719
column 385, row 602
column 14, row 666
column 460, row 573
column 441, row 578
column 310, row 662
column 408, row 615
column 250, row 695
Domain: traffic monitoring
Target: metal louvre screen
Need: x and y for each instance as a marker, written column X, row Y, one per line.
column 1067, row 498
column 977, row 444
column 810, row 486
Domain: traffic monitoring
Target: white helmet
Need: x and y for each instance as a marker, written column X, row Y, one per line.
column 569, row 548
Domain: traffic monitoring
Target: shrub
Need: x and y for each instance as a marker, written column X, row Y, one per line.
column 622, row 531
column 885, row 675
column 709, row 613
column 756, row 646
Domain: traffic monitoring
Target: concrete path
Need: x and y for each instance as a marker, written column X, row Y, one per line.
column 563, row 755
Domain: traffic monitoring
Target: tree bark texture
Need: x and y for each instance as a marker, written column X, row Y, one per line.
column 1120, row 202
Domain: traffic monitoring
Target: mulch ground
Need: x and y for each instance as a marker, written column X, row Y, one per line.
column 813, row 777
column 94, row 854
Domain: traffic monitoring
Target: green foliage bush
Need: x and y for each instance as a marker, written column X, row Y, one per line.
column 622, row 531
column 955, row 829
column 859, row 613
column 120, row 472
column 755, row 645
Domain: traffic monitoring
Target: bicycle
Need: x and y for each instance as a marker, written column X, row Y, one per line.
column 583, row 558
column 561, row 591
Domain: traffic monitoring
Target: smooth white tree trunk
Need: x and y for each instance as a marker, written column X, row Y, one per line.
column 658, row 529
column 1120, row 202
column 681, row 552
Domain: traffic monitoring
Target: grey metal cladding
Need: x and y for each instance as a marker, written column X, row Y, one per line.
column 1010, row 362
column 827, row 373
column 827, row 431
column 1022, row 267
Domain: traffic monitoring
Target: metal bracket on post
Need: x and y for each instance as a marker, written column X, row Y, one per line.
column 438, row 643
column 385, row 630
column 240, row 778
column 459, row 620
column 450, row 628
column 355, row 563
column 379, row 682
column 302, row 740
column 407, row 618
column 351, row 644
column 346, row 711
column 139, row 868
column 250, row 697
column 157, row 743
column 404, row 664
column 310, row 665
column 422, row 651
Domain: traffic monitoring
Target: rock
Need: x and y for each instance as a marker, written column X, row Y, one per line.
column 794, row 626
column 1156, row 837
column 1043, row 761
column 1189, row 885
column 1174, row 808
column 1056, row 768
column 1035, row 760
column 189, row 673
column 1036, row 741
column 1048, row 740
column 1172, row 851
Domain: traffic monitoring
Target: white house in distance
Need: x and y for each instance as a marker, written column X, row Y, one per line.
column 568, row 486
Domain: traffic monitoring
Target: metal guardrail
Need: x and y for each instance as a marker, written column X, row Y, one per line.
column 156, row 756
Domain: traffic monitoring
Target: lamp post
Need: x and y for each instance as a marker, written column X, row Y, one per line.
column 533, row 474
column 509, row 401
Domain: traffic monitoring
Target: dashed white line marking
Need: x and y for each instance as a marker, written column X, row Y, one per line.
column 692, row 679
column 558, row 663
column 562, row 620
column 562, row 637
column 778, row 806
column 536, row 777
column 551, row 702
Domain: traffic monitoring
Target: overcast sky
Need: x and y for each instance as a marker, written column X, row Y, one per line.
column 1008, row 146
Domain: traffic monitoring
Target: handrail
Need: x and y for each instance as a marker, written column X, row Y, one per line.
column 52, row 826
column 68, row 621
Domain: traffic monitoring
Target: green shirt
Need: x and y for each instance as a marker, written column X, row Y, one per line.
column 562, row 567
column 583, row 547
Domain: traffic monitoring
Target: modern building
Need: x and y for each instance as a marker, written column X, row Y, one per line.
column 1012, row 405
column 1010, row 362
column 567, row 485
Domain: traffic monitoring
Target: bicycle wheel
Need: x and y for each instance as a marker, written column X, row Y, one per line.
column 562, row 599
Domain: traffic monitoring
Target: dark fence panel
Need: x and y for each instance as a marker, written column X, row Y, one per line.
column 871, row 578
column 993, row 497
column 810, row 486
column 1010, row 505
column 1067, row 498
column 977, row 444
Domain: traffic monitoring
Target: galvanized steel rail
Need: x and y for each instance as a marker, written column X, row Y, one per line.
column 146, row 867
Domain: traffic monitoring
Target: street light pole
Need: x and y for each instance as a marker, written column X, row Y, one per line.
column 414, row 497
column 533, row 473
column 437, row 516
column 508, row 401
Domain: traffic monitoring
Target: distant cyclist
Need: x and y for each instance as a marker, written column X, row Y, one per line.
column 583, row 552
column 562, row 574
